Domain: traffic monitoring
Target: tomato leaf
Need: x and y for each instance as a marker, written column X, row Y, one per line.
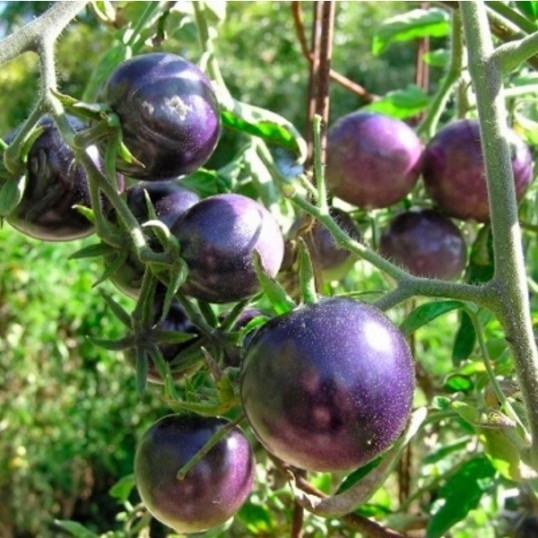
column 461, row 493
column 263, row 123
column 414, row 24
column 426, row 313
column 277, row 295
column 11, row 194
column 401, row 104
column 75, row 529
column 92, row 251
column 465, row 339
column 530, row 9
column 117, row 309
column 122, row 488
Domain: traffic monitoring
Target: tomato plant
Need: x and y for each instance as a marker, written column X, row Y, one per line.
column 288, row 277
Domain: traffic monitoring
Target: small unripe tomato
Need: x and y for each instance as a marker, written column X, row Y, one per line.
column 169, row 115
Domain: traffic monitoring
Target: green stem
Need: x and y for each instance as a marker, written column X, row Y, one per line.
column 509, row 281
column 48, row 26
column 213, row 440
column 428, row 125
column 514, row 53
column 511, row 15
column 505, row 404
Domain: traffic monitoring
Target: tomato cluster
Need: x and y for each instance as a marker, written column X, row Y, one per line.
column 325, row 386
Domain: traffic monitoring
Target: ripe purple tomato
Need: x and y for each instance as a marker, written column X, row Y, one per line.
column 372, row 160
column 218, row 237
column 454, row 172
column 328, row 386
column 170, row 200
column 426, row 243
column 169, row 115
column 333, row 261
column 212, row 491
column 55, row 183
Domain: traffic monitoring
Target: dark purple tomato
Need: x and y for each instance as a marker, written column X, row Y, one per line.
column 177, row 321
column 169, row 115
column 328, row 386
column 218, row 237
column 527, row 527
column 55, row 182
column 170, row 200
column 332, row 260
column 212, row 491
column 426, row 243
column 454, row 172
column 232, row 354
column 372, row 160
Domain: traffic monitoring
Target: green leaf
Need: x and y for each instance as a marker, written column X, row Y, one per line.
column 263, row 123
column 426, row 313
column 530, row 9
column 526, row 120
column 481, row 267
column 401, row 104
column 437, row 58
column 112, row 345
column 123, row 487
column 75, row 529
column 465, row 339
column 445, row 450
column 204, row 182
column 108, row 62
column 117, row 309
column 461, row 494
column 458, row 383
column 257, row 519
column 277, row 295
column 162, row 336
column 358, row 474
column 142, row 366
column 414, row 24
column 11, row 194
column 92, row 251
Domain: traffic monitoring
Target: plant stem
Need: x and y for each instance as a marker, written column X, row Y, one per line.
column 511, row 15
column 48, row 26
column 509, row 281
column 213, row 440
column 428, row 126
column 514, row 53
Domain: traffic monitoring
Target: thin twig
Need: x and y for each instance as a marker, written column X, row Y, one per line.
column 345, row 82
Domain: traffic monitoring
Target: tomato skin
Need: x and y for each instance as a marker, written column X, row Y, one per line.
column 218, row 237
column 55, row 182
column 328, row 386
column 425, row 242
column 169, row 115
column 454, row 171
column 373, row 160
column 212, row 491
